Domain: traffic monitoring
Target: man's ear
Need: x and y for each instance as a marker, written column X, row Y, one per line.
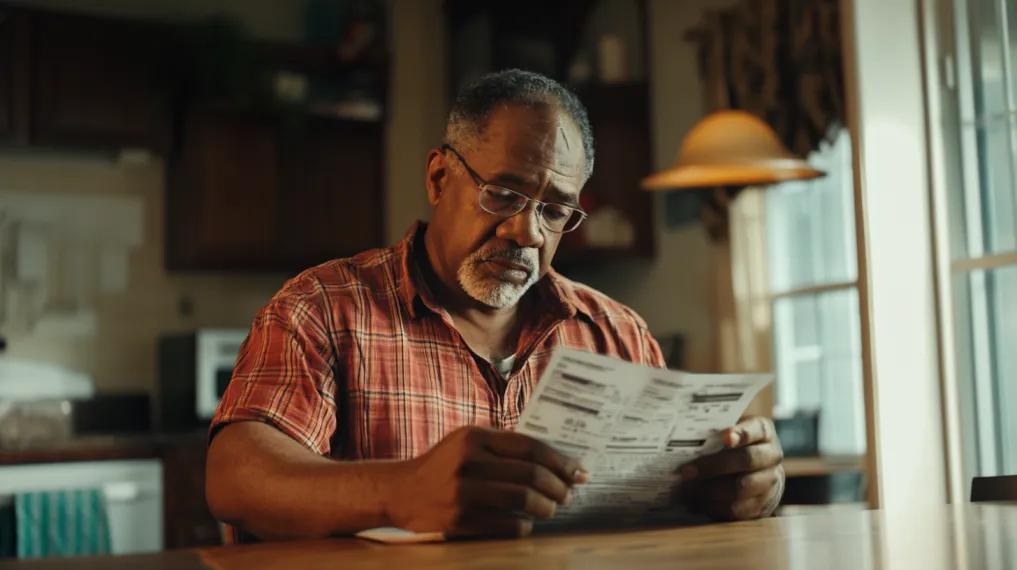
column 437, row 176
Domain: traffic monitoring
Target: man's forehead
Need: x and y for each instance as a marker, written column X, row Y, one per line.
column 542, row 137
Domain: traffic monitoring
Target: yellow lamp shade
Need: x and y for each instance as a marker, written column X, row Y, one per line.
column 731, row 148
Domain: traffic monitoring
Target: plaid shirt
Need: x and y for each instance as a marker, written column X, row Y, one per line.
column 354, row 360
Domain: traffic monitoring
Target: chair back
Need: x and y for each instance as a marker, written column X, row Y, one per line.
column 1003, row 488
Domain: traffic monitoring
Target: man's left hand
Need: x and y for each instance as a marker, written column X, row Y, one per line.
column 745, row 480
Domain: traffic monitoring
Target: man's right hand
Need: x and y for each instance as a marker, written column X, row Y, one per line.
column 480, row 481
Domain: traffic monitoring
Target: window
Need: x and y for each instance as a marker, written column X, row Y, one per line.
column 813, row 284
column 983, row 233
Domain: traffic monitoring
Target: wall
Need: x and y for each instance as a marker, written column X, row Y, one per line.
column 417, row 106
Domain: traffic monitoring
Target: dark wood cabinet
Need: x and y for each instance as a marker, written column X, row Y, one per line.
column 330, row 196
column 14, row 77
column 274, row 151
column 221, row 197
column 98, row 82
column 278, row 165
column 82, row 82
column 252, row 192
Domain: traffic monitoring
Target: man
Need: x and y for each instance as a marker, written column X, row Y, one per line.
column 381, row 390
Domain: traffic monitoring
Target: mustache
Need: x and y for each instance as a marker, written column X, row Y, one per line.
column 514, row 255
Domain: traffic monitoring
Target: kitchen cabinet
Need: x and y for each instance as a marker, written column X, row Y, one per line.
column 72, row 81
column 98, row 83
column 257, row 192
column 274, row 151
column 14, row 76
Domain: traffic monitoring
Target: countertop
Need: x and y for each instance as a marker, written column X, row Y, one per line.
column 144, row 445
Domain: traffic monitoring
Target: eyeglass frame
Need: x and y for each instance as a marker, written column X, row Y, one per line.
column 483, row 184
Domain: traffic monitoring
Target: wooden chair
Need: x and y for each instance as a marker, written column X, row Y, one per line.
column 994, row 488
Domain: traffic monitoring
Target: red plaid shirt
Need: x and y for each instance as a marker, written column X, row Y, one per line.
column 353, row 359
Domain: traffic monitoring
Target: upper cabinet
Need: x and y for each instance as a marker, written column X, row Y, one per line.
column 279, row 150
column 273, row 150
column 80, row 82
column 14, row 76
column 99, row 82
column 253, row 192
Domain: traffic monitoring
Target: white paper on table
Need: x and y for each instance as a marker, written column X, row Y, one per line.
column 393, row 535
column 631, row 426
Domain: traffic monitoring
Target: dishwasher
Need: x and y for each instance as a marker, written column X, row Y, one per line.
column 133, row 491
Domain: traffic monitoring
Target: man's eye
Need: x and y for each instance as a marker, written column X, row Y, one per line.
column 557, row 213
column 501, row 197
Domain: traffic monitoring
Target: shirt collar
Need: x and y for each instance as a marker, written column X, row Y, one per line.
column 557, row 292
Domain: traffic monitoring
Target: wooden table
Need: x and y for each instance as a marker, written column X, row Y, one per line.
column 823, row 465
column 964, row 536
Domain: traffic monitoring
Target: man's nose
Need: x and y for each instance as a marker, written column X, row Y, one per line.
column 523, row 228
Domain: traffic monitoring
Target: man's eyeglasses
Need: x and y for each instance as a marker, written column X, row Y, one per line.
column 506, row 202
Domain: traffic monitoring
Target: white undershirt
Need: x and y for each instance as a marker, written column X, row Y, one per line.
column 504, row 366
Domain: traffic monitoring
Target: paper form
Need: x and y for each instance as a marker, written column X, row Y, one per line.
column 631, row 426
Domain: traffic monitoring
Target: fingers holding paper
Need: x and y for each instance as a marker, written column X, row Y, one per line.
column 745, row 480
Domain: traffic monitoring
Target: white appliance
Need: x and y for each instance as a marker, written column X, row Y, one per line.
column 194, row 369
column 133, row 492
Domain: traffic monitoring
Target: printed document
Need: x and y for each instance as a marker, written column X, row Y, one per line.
column 632, row 427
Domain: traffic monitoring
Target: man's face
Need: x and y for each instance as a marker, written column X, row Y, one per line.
column 536, row 151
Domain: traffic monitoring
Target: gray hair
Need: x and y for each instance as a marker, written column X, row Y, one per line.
column 475, row 102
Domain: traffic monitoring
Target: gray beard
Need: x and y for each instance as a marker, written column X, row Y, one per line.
column 492, row 291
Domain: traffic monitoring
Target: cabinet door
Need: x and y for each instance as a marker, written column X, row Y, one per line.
column 248, row 195
column 97, row 83
column 14, row 77
column 330, row 199
column 222, row 200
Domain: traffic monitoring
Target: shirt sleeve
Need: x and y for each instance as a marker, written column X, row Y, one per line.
column 652, row 355
column 283, row 375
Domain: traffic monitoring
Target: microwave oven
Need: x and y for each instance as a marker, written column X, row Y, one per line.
column 194, row 370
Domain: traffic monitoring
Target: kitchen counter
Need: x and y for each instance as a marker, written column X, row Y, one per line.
column 186, row 520
column 101, row 447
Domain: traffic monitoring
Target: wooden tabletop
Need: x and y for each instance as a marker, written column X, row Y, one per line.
column 964, row 536
column 822, row 465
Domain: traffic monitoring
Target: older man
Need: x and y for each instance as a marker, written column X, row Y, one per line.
column 381, row 390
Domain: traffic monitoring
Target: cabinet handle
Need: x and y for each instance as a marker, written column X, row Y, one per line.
column 121, row 491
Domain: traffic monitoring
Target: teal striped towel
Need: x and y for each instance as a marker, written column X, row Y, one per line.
column 62, row 523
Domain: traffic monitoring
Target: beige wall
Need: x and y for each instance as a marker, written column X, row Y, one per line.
column 417, row 107
column 120, row 353
column 673, row 291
